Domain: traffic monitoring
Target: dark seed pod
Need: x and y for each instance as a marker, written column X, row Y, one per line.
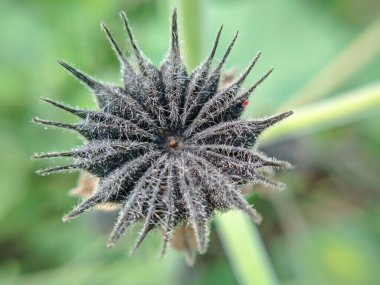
column 168, row 147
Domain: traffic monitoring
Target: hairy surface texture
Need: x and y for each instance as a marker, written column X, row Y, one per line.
column 167, row 146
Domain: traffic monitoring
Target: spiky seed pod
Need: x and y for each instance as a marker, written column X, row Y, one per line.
column 168, row 147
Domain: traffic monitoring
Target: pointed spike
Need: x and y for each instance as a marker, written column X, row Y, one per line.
column 203, row 238
column 128, row 71
column 248, row 70
column 164, row 247
column 120, row 227
column 195, row 210
column 151, row 210
column 82, row 207
column 143, row 63
column 38, row 155
column 90, row 82
column 53, row 154
column 57, row 169
column 168, row 233
column 133, row 42
column 216, row 42
column 254, row 215
column 54, row 124
column 241, row 203
column 140, row 239
column 62, row 106
column 261, row 80
column 114, row 45
column 267, row 182
column 228, row 50
column 175, row 45
column 277, row 118
column 217, row 70
column 258, row 82
column 277, row 164
column 265, row 76
column 168, row 225
column 130, row 35
column 242, row 99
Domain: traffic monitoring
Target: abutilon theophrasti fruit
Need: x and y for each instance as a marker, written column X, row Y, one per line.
column 168, row 146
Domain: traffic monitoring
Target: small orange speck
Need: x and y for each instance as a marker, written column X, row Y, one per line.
column 245, row 103
column 173, row 143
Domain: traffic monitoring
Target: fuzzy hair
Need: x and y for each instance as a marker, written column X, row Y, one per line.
column 167, row 146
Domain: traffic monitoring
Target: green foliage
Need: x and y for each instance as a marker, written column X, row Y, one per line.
column 323, row 230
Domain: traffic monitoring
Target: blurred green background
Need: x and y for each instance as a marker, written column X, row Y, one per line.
column 325, row 229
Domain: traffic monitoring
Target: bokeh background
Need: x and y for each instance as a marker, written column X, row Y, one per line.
column 324, row 229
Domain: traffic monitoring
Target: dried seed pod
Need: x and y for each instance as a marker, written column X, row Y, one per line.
column 168, row 147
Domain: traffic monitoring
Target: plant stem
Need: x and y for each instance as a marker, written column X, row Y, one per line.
column 348, row 62
column 191, row 17
column 329, row 112
column 245, row 250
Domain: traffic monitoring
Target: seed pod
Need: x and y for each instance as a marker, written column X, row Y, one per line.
column 167, row 147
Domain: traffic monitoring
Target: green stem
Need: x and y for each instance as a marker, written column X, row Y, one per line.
column 245, row 250
column 191, row 18
column 347, row 63
column 329, row 112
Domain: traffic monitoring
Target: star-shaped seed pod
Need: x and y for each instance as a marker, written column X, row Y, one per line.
column 167, row 147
